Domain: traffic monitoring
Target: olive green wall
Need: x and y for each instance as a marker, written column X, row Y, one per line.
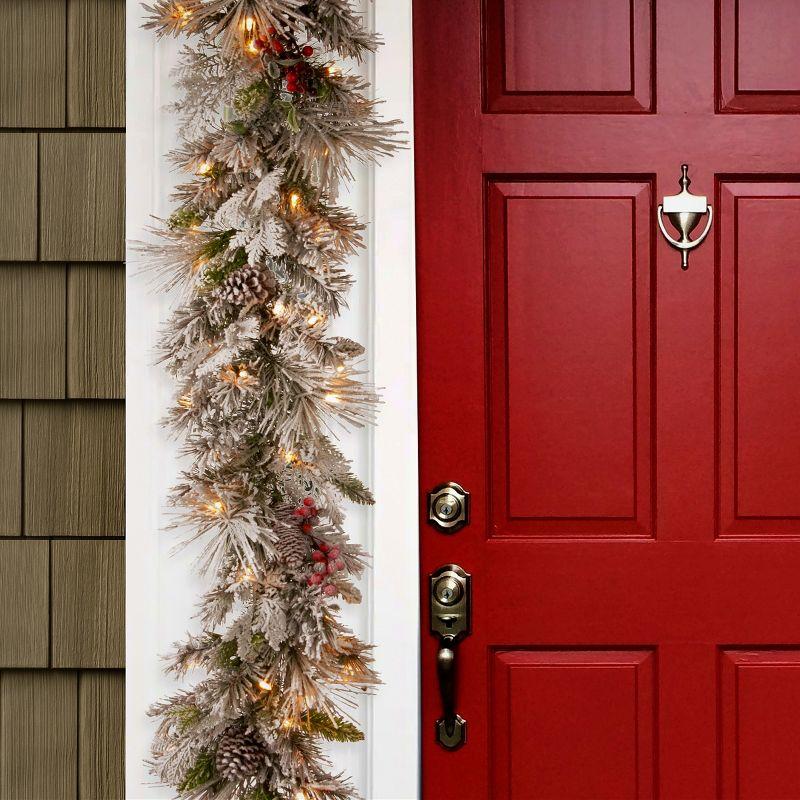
column 62, row 112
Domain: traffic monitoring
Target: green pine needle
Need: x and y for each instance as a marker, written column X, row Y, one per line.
column 247, row 100
column 201, row 773
column 187, row 717
column 227, row 655
column 186, row 217
column 353, row 489
column 333, row 729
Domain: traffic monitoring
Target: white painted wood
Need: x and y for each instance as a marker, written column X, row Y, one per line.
column 394, row 596
column 161, row 588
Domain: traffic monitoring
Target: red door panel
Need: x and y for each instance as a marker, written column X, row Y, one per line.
column 569, row 283
column 629, row 432
column 601, row 701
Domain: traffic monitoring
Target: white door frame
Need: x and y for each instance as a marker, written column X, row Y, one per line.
column 161, row 590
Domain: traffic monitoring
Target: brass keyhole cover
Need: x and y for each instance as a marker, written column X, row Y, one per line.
column 448, row 590
column 448, row 507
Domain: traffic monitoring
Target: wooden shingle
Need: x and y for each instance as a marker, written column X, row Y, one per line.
column 10, row 469
column 96, row 64
column 74, row 468
column 83, row 196
column 32, row 63
column 18, row 164
column 38, row 746
column 101, row 734
column 96, row 330
column 24, row 603
column 88, row 604
column 32, row 348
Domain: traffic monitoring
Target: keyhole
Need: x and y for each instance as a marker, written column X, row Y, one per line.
column 448, row 591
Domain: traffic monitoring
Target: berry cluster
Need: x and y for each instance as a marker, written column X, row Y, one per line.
column 297, row 72
column 327, row 562
column 308, row 513
column 272, row 42
column 298, row 76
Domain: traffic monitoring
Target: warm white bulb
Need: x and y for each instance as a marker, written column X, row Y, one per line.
column 204, row 168
column 332, row 398
column 265, row 685
column 279, row 309
column 249, row 24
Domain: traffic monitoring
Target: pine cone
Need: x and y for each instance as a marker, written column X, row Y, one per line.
column 240, row 755
column 294, row 547
column 347, row 348
column 247, row 286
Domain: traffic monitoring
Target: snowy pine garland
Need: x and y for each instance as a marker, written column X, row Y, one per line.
column 258, row 248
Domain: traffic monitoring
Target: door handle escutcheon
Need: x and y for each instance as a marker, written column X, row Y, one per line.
column 450, row 621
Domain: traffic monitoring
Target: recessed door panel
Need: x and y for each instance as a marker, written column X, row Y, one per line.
column 569, row 56
column 569, row 336
column 758, row 64
column 573, row 724
column 760, row 724
column 759, row 401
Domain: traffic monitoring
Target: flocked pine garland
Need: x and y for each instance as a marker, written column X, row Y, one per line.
column 258, row 247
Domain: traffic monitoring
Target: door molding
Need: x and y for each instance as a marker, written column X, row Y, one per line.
column 394, row 728
column 161, row 587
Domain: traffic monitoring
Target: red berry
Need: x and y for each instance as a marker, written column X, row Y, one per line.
column 259, row 45
column 329, row 590
column 308, row 501
column 334, row 553
column 308, row 51
column 331, row 567
column 310, row 580
column 307, row 527
column 339, row 563
column 277, row 46
column 271, row 31
column 318, row 555
column 324, row 546
column 315, row 580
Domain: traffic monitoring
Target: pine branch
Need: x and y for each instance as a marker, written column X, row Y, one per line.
column 353, row 488
column 200, row 774
column 334, row 729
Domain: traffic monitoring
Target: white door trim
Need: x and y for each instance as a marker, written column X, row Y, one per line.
column 395, row 597
column 161, row 590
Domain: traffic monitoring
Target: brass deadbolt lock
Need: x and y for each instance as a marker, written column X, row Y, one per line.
column 450, row 621
column 448, row 507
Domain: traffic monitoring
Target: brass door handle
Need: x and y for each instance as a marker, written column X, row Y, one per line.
column 450, row 621
column 446, row 670
column 684, row 211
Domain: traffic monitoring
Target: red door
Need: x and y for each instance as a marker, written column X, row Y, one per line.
column 629, row 432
